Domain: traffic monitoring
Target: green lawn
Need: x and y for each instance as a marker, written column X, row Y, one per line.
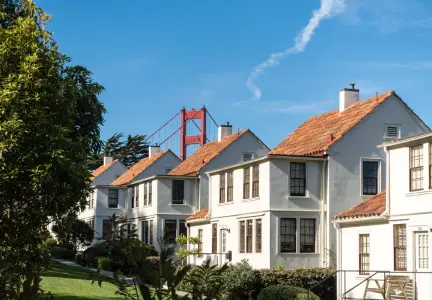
column 73, row 283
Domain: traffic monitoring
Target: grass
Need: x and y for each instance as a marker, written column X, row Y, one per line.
column 74, row 283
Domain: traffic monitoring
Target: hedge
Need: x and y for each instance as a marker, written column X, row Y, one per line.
column 286, row 292
column 105, row 263
column 62, row 253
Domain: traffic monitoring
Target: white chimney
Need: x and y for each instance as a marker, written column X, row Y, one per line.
column 224, row 130
column 348, row 96
column 107, row 160
column 153, row 150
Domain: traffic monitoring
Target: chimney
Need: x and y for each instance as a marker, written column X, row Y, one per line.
column 153, row 150
column 107, row 160
column 348, row 96
column 224, row 130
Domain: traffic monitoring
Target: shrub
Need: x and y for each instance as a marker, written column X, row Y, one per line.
column 62, row 253
column 51, row 243
column 286, row 292
column 104, row 263
column 79, row 259
column 91, row 254
column 305, row 278
column 153, row 261
column 151, row 250
column 240, row 281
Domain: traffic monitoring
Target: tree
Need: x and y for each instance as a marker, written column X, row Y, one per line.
column 50, row 117
column 72, row 231
column 207, row 281
column 129, row 152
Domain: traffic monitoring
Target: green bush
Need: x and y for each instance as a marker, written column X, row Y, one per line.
column 51, row 243
column 240, row 281
column 301, row 277
column 151, row 250
column 104, row 263
column 153, row 261
column 286, row 292
column 79, row 259
column 62, row 253
column 91, row 254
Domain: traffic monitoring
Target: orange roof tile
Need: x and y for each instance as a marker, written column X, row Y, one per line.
column 201, row 214
column 191, row 165
column 374, row 206
column 102, row 169
column 318, row 133
column 137, row 168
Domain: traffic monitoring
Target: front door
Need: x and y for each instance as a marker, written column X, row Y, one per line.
column 223, row 246
column 422, row 264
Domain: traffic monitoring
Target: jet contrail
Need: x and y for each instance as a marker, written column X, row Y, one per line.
column 327, row 9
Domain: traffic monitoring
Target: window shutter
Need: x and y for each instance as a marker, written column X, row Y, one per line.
column 392, row 132
column 247, row 156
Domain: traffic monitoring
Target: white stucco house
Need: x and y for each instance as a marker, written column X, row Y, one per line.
column 184, row 190
column 278, row 209
column 391, row 232
column 97, row 208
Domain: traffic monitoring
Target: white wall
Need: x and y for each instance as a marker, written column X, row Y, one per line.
column 111, row 174
column 344, row 184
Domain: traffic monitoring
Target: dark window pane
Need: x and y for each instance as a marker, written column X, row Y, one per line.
column 242, row 236
column 249, row 233
column 288, row 235
column 222, row 188
column 106, row 229
column 246, row 183
column 214, row 238
column 255, row 181
column 307, row 235
column 182, row 228
column 297, row 179
column 370, row 178
column 178, row 191
column 113, row 198
column 171, row 230
column 258, row 235
column 230, row 187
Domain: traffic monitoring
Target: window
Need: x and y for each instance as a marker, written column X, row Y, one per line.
column 370, row 177
column 249, row 233
column 106, row 229
column 171, row 230
column 297, row 179
column 399, row 246
column 145, row 231
column 392, row 132
column 247, row 156
column 182, row 228
column 230, row 187
column 307, row 235
column 145, row 194
column 214, row 238
column 246, row 183
column 422, row 250
column 288, row 235
column 222, row 188
column 255, row 181
column 200, row 245
column 178, row 192
column 416, row 168
column 137, row 195
column 92, row 198
column 364, row 255
column 223, row 233
column 150, row 187
column 133, row 197
column 151, row 233
column 112, row 198
column 258, row 235
column 242, row 235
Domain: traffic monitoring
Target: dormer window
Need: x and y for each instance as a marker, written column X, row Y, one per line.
column 392, row 131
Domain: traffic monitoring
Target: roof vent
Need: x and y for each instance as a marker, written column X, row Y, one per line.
column 348, row 96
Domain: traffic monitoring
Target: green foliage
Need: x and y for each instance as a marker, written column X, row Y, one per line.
column 207, row 281
column 286, row 292
column 72, row 231
column 62, row 253
column 91, row 254
column 183, row 252
column 79, row 259
column 50, row 243
column 279, row 268
column 240, row 281
column 49, row 123
column 301, row 277
column 104, row 263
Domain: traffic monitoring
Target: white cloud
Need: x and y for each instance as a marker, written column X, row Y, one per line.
column 328, row 8
column 288, row 107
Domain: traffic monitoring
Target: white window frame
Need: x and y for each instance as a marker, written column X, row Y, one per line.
column 223, row 240
column 379, row 186
column 387, row 125
column 306, row 183
column 298, row 217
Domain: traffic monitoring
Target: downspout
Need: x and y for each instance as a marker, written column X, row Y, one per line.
column 387, row 210
column 323, row 213
column 187, row 243
column 339, row 275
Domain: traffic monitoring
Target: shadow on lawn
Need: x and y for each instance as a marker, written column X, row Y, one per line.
column 83, row 298
column 62, row 271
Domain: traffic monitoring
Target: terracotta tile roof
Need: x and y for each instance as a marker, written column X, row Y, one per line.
column 191, row 165
column 318, row 133
column 201, row 214
column 102, row 169
column 137, row 168
column 372, row 207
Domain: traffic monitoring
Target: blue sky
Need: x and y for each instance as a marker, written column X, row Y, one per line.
column 153, row 57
